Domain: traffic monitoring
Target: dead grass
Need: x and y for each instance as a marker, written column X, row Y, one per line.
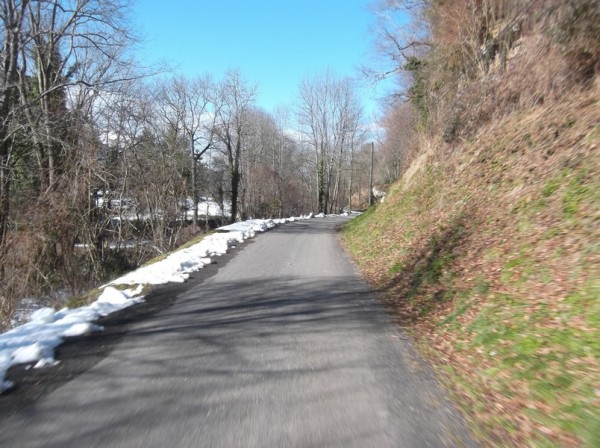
column 490, row 257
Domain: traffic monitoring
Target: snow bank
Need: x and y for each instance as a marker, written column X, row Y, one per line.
column 177, row 266
column 35, row 341
column 250, row 227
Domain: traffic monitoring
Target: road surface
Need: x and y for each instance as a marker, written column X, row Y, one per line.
column 285, row 346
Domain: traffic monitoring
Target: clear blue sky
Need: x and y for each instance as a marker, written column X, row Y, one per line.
column 274, row 43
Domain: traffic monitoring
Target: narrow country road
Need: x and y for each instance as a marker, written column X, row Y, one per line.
column 284, row 346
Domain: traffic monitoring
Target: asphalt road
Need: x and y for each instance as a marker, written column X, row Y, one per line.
column 285, row 346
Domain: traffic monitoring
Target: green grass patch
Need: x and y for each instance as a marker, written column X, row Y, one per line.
column 519, row 269
column 395, row 268
column 552, row 232
column 187, row 244
column 482, row 287
column 83, row 299
column 550, row 348
column 462, row 304
column 356, row 223
column 576, row 193
column 550, row 188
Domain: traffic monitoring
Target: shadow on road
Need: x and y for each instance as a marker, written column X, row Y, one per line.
column 292, row 360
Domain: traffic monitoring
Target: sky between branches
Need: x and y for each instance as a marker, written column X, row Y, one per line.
column 274, row 43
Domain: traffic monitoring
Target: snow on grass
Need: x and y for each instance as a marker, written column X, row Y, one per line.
column 35, row 341
column 251, row 226
column 178, row 266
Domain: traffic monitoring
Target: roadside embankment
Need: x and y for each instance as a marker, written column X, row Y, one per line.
column 488, row 253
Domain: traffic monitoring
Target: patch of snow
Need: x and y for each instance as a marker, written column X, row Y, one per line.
column 207, row 206
column 250, row 227
column 28, row 353
column 42, row 316
column 178, row 266
column 81, row 328
column 35, row 341
column 24, row 311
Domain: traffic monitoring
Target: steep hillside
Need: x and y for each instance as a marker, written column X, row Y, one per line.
column 487, row 251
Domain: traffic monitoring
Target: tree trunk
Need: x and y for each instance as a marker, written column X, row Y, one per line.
column 235, row 182
column 194, row 186
column 322, row 204
column 12, row 24
column 4, row 200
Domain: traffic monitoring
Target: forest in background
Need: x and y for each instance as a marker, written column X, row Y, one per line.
column 105, row 164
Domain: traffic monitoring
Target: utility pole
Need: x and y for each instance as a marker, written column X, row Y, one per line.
column 351, row 169
column 371, row 176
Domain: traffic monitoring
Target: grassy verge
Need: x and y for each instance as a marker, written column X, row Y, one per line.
column 490, row 258
column 94, row 294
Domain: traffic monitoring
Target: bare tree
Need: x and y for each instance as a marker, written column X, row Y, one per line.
column 399, row 145
column 401, row 32
column 67, row 43
column 51, row 49
column 12, row 14
column 187, row 105
column 329, row 116
column 234, row 98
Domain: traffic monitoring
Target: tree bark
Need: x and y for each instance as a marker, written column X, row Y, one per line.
column 12, row 24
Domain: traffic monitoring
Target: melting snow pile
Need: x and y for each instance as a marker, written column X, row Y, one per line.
column 178, row 266
column 35, row 341
column 251, row 226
